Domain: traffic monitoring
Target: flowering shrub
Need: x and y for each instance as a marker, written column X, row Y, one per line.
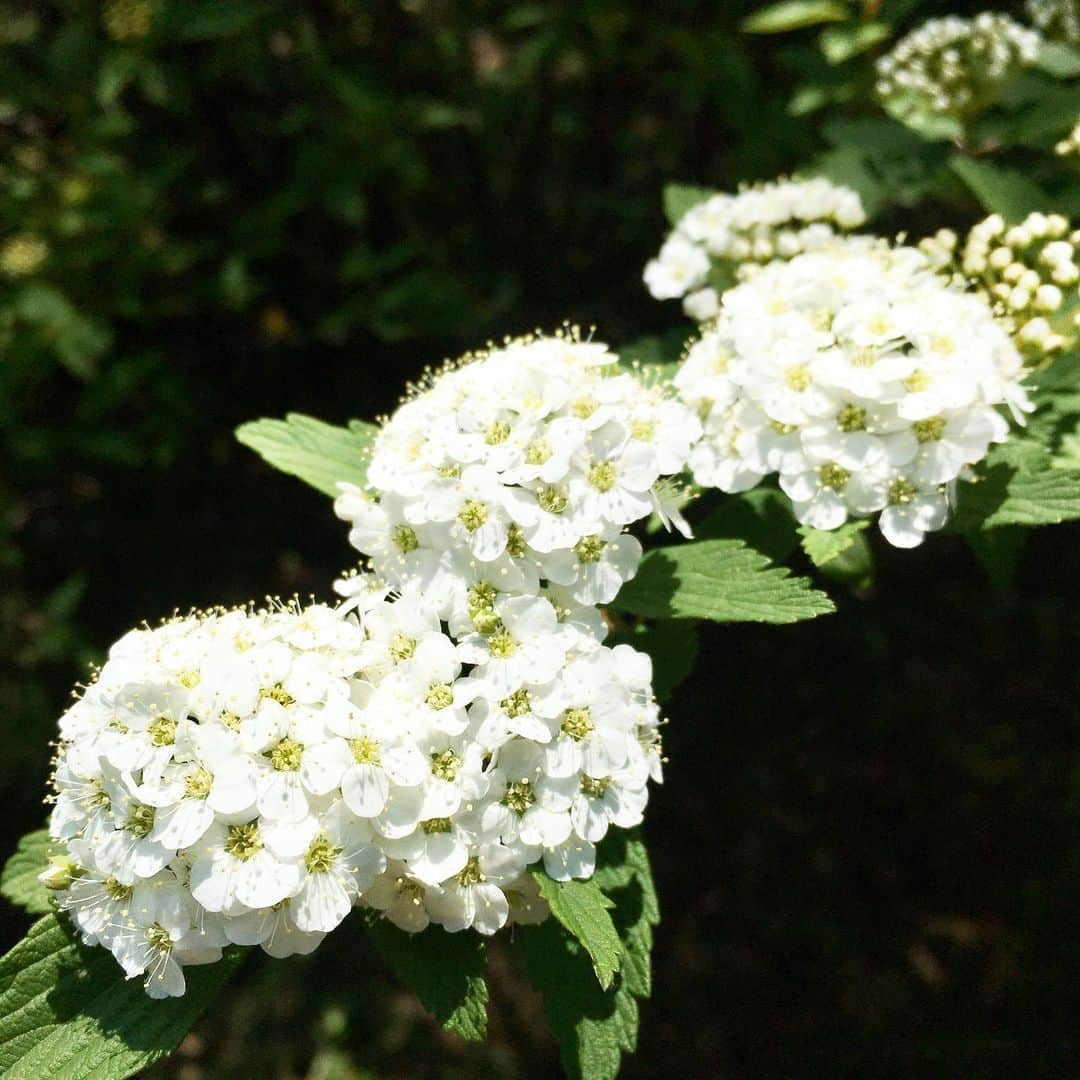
column 462, row 748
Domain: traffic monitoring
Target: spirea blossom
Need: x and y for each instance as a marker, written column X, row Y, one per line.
column 1057, row 19
column 523, row 465
column 247, row 778
column 954, row 66
column 727, row 235
column 864, row 380
column 1024, row 270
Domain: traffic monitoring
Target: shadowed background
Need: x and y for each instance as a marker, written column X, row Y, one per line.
column 866, row 848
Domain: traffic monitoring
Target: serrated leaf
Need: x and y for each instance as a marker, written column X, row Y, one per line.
column 722, row 580
column 999, row 189
column 445, row 970
column 318, row 453
column 582, row 909
column 672, row 644
column 793, row 15
column 19, row 881
column 822, row 546
column 1017, row 484
column 595, row 1027
column 68, row 1013
column 760, row 517
column 678, row 198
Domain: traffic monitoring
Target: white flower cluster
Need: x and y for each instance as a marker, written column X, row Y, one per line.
column 956, row 66
column 524, row 464
column 1057, row 19
column 1025, row 270
column 861, row 377
column 248, row 777
column 775, row 220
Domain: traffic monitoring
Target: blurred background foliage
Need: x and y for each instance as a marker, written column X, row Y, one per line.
column 213, row 210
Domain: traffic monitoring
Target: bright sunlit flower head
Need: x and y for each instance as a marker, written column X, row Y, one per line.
column 1057, row 19
column 725, row 236
column 524, row 463
column 868, row 383
column 248, row 777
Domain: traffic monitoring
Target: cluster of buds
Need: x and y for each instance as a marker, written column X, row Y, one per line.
column 1025, row 270
column 729, row 236
column 953, row 66
column 1057, row 19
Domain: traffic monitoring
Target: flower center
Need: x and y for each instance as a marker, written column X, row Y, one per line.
column 497, row 433
column 501, row 645
column 602, row 475
column 578, row 723
column 319, row 857
column 197, row 784
column 140, row 820
column 517, row 704
column 365, row 751
column 473, row 514
column 901, row 491
column 782, row 429
column 643, row 430
column 243, row 841
column 285, row 757
column 537, row 452
column 833, row 476
column 402, row 647
column 445, row 764
column 404, row 539
column 117, row 891
column 162, row 731
column 437, row 825
column 797, row 377
column 157, row 937
column 929, row 430
column 584, row 407
column 440, row 695
column 515, row 541
column 551, row 500
column 594, row 786
column 279, row 694
column 851, row 418
column 519, row 796
column 472, row 874
column 589, row 549
column 916, row 382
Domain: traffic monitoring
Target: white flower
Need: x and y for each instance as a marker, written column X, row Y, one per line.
column 852, row 372
column 734, row 233
column 280, row 767
column 515, row 455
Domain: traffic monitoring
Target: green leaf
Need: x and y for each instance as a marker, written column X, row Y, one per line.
column 673, row 646
column 19, row 881
column 678, row 198
column 761, row 518
column 910, row 110
column 841, row 43
column 595, row 1027
column 318, row 453
column 999, row 552
column 582, row 909
column 68, row 1013
column 1058, row 59
column 445, row 970
column 793, row 15
column 1018, row 484
column 723, row 580
column 1000, row 190
column 822, row 546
